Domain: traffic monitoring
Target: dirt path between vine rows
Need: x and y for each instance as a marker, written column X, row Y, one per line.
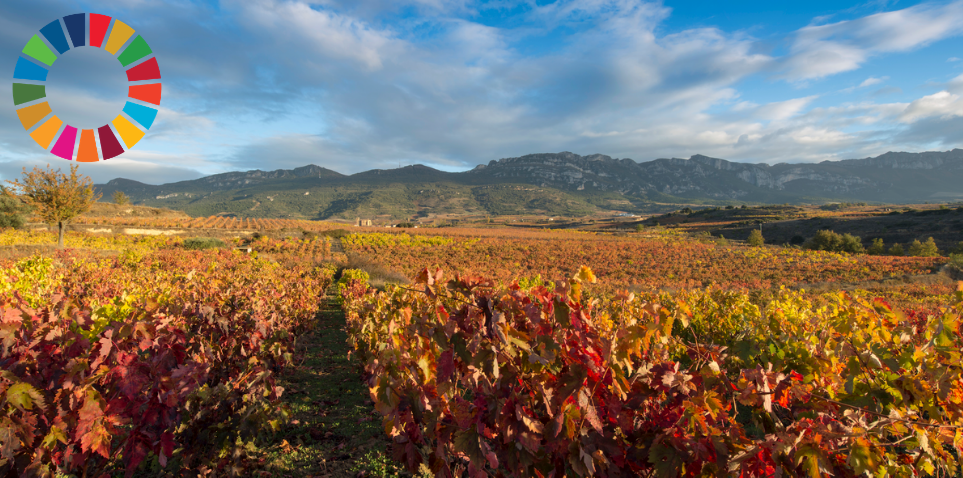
column 334, row 431
column 337, row 246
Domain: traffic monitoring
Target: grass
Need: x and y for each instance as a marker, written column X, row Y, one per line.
column 335, row 431
column 197, row 243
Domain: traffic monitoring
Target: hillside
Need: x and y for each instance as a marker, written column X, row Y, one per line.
column 556, row 184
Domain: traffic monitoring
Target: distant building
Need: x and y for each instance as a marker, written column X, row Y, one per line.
column 362, row 222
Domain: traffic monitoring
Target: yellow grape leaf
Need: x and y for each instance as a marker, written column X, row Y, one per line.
column 55, row 435
column 585, row 275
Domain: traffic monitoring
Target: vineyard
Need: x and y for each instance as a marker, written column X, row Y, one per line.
column 659, row 262
column 477, row 379
column 632, row 262
column 212, row 222
column 156, row 358
column 506, row 352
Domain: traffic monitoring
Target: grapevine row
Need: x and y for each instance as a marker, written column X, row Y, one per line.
column 549, row 380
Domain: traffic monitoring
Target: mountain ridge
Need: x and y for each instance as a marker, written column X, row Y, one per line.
column 558, row 183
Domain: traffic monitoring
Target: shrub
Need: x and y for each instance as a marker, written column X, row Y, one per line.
column 825, row 240
column 120, row 198
column 11, row 211
column 641, row 227
column 958, row 249
column 852, row 244
column 336, row 233
column 878, row 248
column 896, row 250
column 756, row 239
column 797, row 239
column 352, row 278
column 198, row 243
column 924, row 249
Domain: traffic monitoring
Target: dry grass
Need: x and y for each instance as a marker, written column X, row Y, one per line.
column 380, row 275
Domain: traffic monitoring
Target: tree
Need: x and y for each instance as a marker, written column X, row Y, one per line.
column 959, row 248
column 830, row 241
column 852, row 244
column 56, row 197
column 878, row 248
column 11, row 210
column 756, row 239
column 825, row 240
column 924, row 249
column 120, row 198
column 896, row 250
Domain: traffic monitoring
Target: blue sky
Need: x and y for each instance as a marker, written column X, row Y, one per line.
column 362, row 84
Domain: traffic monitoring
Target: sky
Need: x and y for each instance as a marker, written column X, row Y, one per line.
column 353, row 85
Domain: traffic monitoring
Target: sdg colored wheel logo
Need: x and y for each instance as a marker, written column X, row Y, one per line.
column 56, row 39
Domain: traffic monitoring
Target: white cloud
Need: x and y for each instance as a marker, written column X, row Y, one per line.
column 943, row 104
column 297, row 26
column 781, row 110
column 872, row 81
column 822, row 50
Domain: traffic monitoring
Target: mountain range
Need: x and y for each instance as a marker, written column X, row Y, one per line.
column 555, row 184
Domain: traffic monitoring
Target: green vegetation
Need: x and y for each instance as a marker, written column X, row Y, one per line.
column 336, row 233
column 322, row 198
column 333, row 431
column 11, row 210
column 830, row 241
column 878, row 248
column 197, row 243
column 756, row 239
column 120, row 198
column 924, row 249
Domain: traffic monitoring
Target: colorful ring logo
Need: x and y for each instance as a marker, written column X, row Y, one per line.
column 143, row 76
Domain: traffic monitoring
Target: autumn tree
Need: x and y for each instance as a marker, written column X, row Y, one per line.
column 56, row 197
column 120, row 198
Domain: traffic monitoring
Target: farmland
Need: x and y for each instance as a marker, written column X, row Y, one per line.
column 325, row 352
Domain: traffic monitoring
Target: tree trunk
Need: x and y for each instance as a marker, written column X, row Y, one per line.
column 60, row 234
